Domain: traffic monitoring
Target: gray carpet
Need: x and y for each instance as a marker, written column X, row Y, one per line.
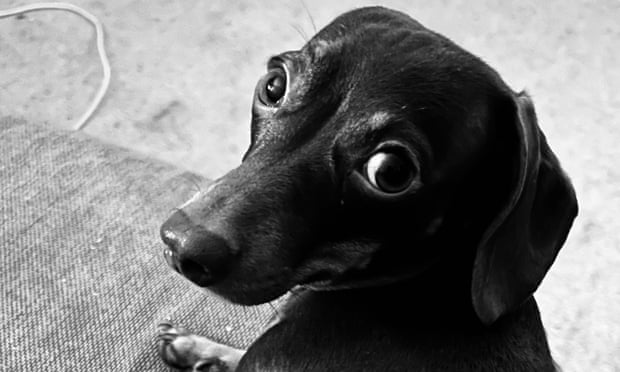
column 83, row 281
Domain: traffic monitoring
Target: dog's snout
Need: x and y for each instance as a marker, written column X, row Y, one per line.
column 198, row 254
column 173, row 230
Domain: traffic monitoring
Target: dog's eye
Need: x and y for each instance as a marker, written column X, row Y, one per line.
column 273, row 87
column 389, row 172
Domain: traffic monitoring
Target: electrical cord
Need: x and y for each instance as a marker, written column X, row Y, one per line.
column 105, row 64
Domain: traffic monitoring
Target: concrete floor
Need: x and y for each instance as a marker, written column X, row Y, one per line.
column 184, row 74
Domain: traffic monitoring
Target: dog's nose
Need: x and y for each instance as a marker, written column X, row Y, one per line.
column 198, row 254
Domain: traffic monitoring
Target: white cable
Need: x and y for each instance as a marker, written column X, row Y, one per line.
column 105, row 64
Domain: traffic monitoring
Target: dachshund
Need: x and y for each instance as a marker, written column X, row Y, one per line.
column 402, row 191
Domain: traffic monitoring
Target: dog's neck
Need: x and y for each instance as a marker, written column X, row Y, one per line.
column 416, row 318
column 428, row 319
column 439, row 293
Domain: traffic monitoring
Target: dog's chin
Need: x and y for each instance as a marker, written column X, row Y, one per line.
column 260, row 292
column 250, row 294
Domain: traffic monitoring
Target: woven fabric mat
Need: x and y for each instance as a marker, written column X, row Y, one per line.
column 83, row 280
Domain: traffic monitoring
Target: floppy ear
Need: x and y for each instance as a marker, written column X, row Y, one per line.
column 526, row 234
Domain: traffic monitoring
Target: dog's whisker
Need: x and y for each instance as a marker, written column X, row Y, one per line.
column 300, row 32
column 191, row 179
column 303, row 3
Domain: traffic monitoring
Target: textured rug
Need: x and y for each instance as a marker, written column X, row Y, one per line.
column 83, row 280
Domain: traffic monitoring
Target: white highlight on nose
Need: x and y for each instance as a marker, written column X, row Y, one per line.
column 171, row 236
column 168, row 252
column 198, row 194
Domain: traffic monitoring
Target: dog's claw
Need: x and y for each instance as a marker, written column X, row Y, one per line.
column 210, row 365
column 182, row 350
column 166, row 323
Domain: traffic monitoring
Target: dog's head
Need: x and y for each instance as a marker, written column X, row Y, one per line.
column 376, row 150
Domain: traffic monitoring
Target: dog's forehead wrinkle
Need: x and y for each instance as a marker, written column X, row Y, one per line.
column 360, row 129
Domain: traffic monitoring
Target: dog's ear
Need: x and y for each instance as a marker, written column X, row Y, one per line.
column 528, row 230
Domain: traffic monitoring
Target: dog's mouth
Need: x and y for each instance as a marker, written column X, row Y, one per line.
column 260, row 289
column 270, row 288
column 321, row 279
column 369, row 273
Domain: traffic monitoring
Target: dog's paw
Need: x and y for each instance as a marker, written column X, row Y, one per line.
column 185, row 351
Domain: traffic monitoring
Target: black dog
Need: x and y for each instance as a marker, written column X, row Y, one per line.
column 404, row 187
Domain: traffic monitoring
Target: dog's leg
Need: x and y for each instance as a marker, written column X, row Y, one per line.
column 183, row 350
